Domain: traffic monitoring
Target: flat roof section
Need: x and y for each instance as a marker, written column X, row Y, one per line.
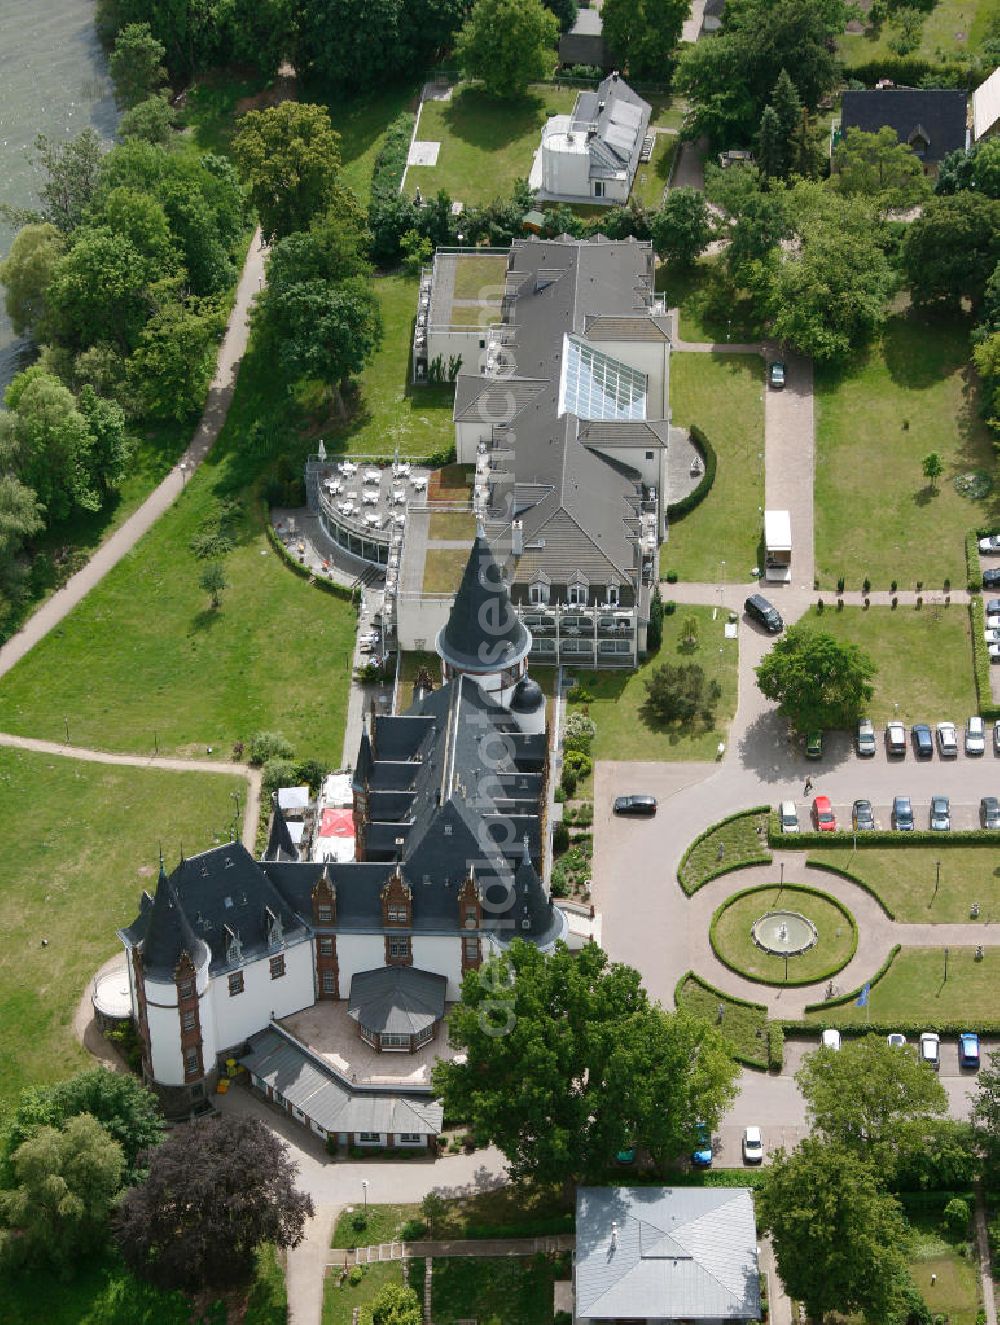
column 467, row 289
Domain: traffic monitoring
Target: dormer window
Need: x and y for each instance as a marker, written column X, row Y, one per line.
column 614, row 595
column 397, row 914
column 538, row 593
column 576, row 595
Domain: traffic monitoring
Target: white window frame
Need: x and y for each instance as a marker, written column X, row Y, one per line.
column 538, row 593
column 614, row 595
column 578, row 594
column 599, row 187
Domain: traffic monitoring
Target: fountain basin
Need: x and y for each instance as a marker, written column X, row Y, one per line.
column 784, row 933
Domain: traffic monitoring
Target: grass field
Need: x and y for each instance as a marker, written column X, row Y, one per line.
column 705, row 301
column 443, row 569
column 915, row 986
column 480, row 277
column 624, row 731
column 485, row 144
column 832, row 950
column 339, row 1304
column 924, row 658
column 723, row 395
column 82, row 844
column 451, row 524
column 905, row 878
column 651, row 178
column 875, row 513
column 741, row 841
column 498, row 1213
column 952, row 28
column 744, row 1025
column 361, row 122
column 511, row 1290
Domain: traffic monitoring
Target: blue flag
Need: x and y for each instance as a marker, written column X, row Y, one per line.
column 862, row 999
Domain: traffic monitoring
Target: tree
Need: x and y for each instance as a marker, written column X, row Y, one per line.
column 152, row 121
column 643, row 34
column 52, row 444
column 816, row 681
column 508, row 44
column 369, row 43
column 863, row 1096
column 99, row 290
column 136, row 65
column 332, row 249
column 216, row 1189
column 20, row 519
column 839, row 1241
column 289, row 158
column 680, row 693
column 65, row 1180
column 986, row 1117
column 682, row 228
column 174, row 359
column 213, row 581
column 394, row 1304
column 951, row 250
column 600, row 1068
column 73, row 171
column 326, row 331
column 978, row 169
column 879, row 167
column 986, row 356
column 123, row 1106
column 25, row 274
column 565, row 12
column 770, row 145
column 787, row 105
column 933, row 468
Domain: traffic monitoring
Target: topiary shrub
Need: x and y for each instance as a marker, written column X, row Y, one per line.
column 955, row 1217
column 269, row 745
column 671, row 577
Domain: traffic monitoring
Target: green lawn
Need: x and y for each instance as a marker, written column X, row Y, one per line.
column 905, row 878
column 85, row 846
column 952, row 28
column 486, row 144
column 740, row 841
column 651, row 178
column 391, row 412
column 707, row 310
column 924, row 658
column 361, row 122
column 743, row 1024
column 724, row 395
column 212, row 104
column 505, row 1212
column 915, row 987
column 480, row 277
column 443, row 569
column 507, row 1290
column 339, row 1303
column 875, row 514
column 833, row 949
column 451, row 524
column 618, row 708
column 954, row 1293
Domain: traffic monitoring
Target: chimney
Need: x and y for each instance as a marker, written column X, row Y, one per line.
column 517, row 538
column 614, row 1234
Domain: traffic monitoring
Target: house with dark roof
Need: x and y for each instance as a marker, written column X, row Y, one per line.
column 450, row 850
column 565, row 417
column 584, row 42
column 592, row 154
column 712, row 16
column 662, row 1254
column 931, row 121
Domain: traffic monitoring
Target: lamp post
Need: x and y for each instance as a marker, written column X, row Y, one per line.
column 364, row 1188
column 184, row 473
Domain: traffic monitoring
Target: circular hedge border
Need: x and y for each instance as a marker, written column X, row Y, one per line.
column 792, row 888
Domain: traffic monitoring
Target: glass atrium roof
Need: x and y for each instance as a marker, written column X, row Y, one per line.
column 593, row 385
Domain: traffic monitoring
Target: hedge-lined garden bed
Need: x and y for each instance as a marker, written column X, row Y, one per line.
column 744, row 1024
column 732, row 943
column 731, row 844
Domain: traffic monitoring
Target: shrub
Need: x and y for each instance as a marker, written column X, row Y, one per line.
column 390, row 161
column 671, row 577
column 279, row 773
column 579, row 694
column 580, row 725
column 775, row 1046
column 677, row 509
column 956, row 1217
column 560, row 838
column 413, row 1230
column 579, row 761
column 568, row 781
column 268, row 745
column 355, row 1276
column 584, row 814
column 669, row 607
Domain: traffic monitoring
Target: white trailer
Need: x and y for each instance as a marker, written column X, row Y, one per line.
column 777, row 546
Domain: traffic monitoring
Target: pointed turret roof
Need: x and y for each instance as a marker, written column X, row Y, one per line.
column 483, row 632
column 365, row 762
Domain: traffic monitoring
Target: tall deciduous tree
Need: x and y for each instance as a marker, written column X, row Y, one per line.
column 839, row 1240
column 289, row 158
column 681, row 693
column 174, row 359
column 771, row 145
column 986, row 1117
column 216, row 1189
column 325, row 330
column 507, row 44
column 65, row 1180
column 597, row 1067
column 643, row 34
column 879, row 167
column 136, row 63
column 951, row 250
column 72, row 171
column 816, row 681
column 932, row 468
column 52, row 444
column 682, row 228
column 152, row 121
column 978, row 169
column 25, row 275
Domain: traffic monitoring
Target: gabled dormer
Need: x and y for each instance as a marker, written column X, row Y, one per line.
column 397, row 902
column 324, row 901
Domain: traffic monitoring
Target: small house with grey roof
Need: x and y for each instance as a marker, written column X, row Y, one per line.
column 662, row 1254
column 448, row 868
column 930, row 121
column 592, row 154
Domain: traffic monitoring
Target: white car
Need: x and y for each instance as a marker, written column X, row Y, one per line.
column 788, row 816
column 990, row 544
column 947, row 739
column 753, row 1146
column 831, row 1039
column 993, row 650
column 896, row 1041
column 993, row 621
column 930, row 1049
column 991, row 636
column 975, row 737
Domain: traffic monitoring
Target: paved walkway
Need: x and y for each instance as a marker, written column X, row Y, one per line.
column 458, row 1247
column 789, row 449
column 220, row 394
column 983, row 1252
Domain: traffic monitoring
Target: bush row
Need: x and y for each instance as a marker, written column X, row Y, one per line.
column 304, row 572
column 882, row 837
column 775, row 1046
column 678, row 508
column 905, row 1026
column 973, row 570
column 843, row 999
column 778, row 981
column 723, row 868
column 913, row 69
column 852, row 878
column 390, row 160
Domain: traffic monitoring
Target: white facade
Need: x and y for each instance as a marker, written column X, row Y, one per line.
column 235, row 1017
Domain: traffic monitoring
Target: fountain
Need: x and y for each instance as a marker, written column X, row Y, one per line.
column 784, row 933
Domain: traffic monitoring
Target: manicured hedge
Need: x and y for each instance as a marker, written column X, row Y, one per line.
column 304, row 572
column 983, row 1026
column 727, row 868
column 973, row 570
column 775, row 1046
column 390, row 161
column 678, row 508
column 883, row 837
column 852, row 878
column 778, row 982
column 841, row 999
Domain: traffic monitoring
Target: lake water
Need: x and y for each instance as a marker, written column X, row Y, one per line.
column 53, row 80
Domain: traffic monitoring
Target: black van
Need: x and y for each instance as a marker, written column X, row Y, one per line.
column 759, row 609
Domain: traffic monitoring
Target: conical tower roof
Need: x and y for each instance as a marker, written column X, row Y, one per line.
column 483, row 633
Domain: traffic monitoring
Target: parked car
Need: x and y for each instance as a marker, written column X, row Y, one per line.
column 930, row 1049
column 764, row 613
column 923, row 742
column 626, row 1156
column 993, row 652
column 991, row 543
column 968, row 1050
column 701, row 1156
column 992, row 621
column 863, row 817
column 895, row 739
column 776, row 375
column 975, row 736
column 788, row 816
column 996, row 737
column 940, row 814
column 947, row 739
column 864, row 741
column 635, row 805
column 753, row 1146
column 989, row 812
column 831, row 1038
column 992, row 636
column 814, row 745
column 902, row 814
column 823, row 816
column 895, row 1041
column 991, row 577
column 993, row 606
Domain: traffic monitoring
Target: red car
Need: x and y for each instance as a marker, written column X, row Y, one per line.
column 823, row 815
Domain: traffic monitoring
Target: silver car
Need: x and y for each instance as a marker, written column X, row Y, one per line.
column 975, row 736
column 788, row 816
column 947, row 739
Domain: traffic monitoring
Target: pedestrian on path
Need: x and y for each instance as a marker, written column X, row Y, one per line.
column 808, row 787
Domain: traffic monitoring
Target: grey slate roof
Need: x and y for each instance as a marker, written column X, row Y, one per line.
column 397, row 1000
column 483, row 632
column 329, row 1099
column 637, row 327
column 488, row 400
column 937, row 114
column 683, row 1253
